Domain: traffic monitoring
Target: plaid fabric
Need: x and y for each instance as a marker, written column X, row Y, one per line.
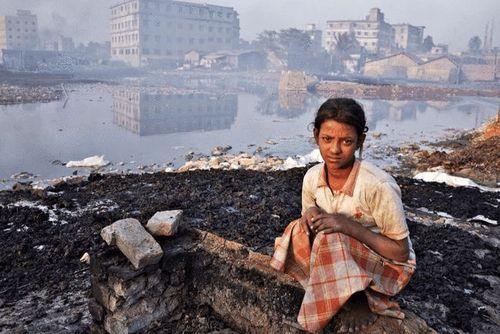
column 333, row 269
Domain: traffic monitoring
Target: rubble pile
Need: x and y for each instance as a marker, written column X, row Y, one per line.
column 18, row 94
column 232, row 162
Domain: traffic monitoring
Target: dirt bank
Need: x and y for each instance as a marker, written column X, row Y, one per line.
column 39, row 260
column 398, row 91
column 475, row 155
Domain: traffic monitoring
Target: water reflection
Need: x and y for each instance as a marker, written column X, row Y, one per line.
column 155, row 113
column 288, row 104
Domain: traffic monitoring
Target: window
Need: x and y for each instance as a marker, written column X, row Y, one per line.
column 210, row 29
column 219, row 40
column 219, row 29
column 201, row 40
column 228, row 40
column 191, row 41
column 145, row 51
column 365, row 33
column 228, row 15
column 228, row 30
column 157, row 52
column 157, row 38
column 190, row 26
column 145, row 38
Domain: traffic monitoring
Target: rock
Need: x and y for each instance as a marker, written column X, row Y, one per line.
column 85, row 258
column 164, row 223
column 220, row 150
column 133, row 241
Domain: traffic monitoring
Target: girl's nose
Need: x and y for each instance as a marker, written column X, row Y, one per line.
column 335, row 147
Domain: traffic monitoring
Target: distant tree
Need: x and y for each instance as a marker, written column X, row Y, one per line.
column 346, row 44
column 428, row 44
column 268, row 39
column 475, row 45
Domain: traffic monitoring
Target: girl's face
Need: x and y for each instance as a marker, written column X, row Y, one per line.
column 337, row 143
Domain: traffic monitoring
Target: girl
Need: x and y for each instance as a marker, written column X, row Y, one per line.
column 352, row 235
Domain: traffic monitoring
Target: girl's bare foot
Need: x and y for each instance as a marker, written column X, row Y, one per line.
column 355, row 315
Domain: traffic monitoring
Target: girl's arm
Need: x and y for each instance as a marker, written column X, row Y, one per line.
column 397, row 250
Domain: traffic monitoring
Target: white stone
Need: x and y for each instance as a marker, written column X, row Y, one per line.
column 85, row 258
column 164, row 223
column 133, row 241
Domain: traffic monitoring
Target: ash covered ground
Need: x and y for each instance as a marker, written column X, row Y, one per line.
column 44, row 286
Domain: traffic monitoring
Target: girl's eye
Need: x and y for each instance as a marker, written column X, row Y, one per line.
column 327, row 139
column 348, row 141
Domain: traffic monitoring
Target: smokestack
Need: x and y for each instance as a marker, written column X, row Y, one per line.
column 485, row 40
column 491, row 33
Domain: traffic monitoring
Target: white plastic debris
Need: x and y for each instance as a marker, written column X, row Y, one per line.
column 454, row 181
column 483, row 219
column 302, row 160
column 90, row 162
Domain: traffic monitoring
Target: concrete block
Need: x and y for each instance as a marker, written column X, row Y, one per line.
column 164, row 223
column 134, row 242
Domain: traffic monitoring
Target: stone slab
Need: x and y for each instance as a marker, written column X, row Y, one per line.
column 133, row 241
column 164, row 223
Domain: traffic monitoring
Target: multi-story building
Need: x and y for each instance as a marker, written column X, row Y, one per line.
column 162, row 31
column 373, row 33
column 19, row 32
column 408, row 37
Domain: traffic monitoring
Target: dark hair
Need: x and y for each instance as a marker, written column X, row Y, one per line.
column 342, row 110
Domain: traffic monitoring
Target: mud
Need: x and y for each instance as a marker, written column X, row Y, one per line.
column 42, row 245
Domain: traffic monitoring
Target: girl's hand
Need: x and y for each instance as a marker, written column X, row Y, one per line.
column 306, row 219
column 329, row 223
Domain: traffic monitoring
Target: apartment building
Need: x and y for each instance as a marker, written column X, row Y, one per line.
column 373, row 33
column 163, row 31
column 378, row 37
column 408, row 37
column 19, row 32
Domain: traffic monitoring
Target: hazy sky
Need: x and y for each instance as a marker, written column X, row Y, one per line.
column 448, row 21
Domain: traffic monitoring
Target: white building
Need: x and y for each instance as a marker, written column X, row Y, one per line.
column 376, row 35
column 163, row 31
column 19, row 32
column 373, row 33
